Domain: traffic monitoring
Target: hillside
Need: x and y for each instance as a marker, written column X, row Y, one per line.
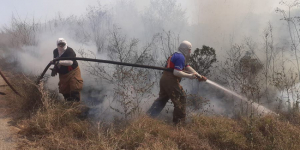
column 54, row 124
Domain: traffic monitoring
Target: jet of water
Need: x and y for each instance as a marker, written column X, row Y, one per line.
column 260, row 108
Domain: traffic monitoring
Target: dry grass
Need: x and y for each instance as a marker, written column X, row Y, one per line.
column 48, row 123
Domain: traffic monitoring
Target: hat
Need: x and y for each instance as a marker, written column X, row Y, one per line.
column 185, row 48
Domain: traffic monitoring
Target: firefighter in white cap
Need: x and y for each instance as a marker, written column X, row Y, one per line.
column 70, row 81
column 170, row 87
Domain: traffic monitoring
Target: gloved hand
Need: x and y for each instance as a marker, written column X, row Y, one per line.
column 201, row 78
column 54, row 63
column 54, row 71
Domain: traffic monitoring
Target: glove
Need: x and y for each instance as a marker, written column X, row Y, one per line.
column 201, row 78
column 53, row 71
column 54, row 63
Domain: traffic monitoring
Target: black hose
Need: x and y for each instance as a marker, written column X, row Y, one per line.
column 43, row 73
column 101, row 61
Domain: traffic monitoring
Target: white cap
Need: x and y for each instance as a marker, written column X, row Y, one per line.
column 62, row 40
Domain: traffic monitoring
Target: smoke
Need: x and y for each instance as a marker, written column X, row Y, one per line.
column 217, row 23
column 214, row 23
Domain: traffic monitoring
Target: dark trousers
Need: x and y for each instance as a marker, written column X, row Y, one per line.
column 73, row 96
column 170, row 89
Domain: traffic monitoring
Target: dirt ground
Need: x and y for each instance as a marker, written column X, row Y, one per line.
column 7, row 132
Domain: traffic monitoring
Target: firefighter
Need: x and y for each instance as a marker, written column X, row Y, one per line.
column 70, row 81
column 170, row 87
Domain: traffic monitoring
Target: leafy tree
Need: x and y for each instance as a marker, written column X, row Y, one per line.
column 202, row 59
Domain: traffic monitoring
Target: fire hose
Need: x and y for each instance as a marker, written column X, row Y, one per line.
column 92, row 60
column 100, row 61
column 109, row 62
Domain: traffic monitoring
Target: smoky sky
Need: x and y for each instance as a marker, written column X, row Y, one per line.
column 220, row 18
column 217, row 21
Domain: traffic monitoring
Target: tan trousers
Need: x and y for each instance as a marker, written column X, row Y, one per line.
column 71, row 84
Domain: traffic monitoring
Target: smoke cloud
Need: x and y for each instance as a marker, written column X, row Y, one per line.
column 214, row 23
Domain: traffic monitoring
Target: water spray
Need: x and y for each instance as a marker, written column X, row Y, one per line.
column 260, row 108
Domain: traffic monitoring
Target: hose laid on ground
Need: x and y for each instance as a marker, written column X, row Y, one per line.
column 101, row 61
column 9, row 84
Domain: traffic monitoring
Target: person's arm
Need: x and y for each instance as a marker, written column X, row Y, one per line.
column 191, row 70
column 179, row 61
column 200, row 77
column 53, row 56
column 66, row 62
column 182, row 74
column 70, row 53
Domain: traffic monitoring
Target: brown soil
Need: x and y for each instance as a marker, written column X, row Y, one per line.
column 7, row 132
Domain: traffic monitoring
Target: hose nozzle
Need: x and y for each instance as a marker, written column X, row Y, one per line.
column 201, row 78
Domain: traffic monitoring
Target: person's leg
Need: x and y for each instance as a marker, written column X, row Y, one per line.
column 74, row 96
column 157, row 106
column 161, row 101
column 179, row 112
column 178, row 97
column 66, row 96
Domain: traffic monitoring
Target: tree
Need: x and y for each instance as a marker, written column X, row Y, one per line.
column 293, row 26
column 202, row 59
column 130, row 85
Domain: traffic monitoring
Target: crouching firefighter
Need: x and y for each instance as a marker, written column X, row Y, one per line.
column 70, row 81
column 170, row 87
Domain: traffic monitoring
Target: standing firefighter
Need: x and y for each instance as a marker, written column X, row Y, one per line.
column 70, row 81
column 169, row 84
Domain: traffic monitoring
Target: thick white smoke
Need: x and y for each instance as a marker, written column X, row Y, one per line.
column 214, row 23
